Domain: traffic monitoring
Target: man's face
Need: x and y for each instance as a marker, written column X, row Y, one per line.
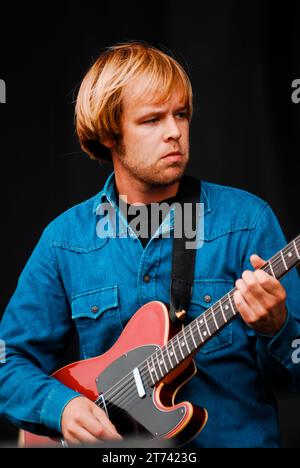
column 150, row 131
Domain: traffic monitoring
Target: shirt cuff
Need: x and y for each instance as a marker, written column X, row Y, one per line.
column 54, row 404
column 280, row 345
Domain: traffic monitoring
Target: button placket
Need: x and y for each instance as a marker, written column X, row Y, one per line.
column 147, row 273
column 146, row 279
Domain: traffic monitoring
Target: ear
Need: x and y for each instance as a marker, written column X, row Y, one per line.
column 108, row 143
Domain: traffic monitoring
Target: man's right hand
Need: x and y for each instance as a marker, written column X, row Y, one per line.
column 84, row 422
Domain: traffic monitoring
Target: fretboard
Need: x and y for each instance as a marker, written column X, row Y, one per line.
column 204, row 327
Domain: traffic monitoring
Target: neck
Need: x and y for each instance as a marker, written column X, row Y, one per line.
column 136, row 191
column 185, row 343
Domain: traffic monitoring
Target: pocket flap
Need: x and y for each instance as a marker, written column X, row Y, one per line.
column 204, row 295
column 207, row 292
column 93, row 303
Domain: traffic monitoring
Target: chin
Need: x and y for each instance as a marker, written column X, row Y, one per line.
column 167, row 177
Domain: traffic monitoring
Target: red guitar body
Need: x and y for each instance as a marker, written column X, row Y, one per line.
column 155, row 412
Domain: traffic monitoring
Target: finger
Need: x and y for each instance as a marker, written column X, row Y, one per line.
column 80, row 435
column 102, row 430
column 261, row 285
column 71, row 440
column 243, row 308
column 95, row 427
column 270, row 284
column 256, row 261
column 255, row 296
column 109, row 430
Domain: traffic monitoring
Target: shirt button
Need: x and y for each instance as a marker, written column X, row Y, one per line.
column 95, row 309
column 147, row 279
column 207, row 298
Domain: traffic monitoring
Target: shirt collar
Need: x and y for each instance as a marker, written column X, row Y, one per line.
column 109, row 193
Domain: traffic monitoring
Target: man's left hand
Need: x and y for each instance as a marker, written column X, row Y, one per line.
column 260, row 299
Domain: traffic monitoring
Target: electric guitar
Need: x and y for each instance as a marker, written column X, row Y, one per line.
column 136, row 381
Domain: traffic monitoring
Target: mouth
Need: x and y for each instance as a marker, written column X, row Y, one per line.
column 173, row 156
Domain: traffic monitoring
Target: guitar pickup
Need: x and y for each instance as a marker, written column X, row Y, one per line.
column 139, row 382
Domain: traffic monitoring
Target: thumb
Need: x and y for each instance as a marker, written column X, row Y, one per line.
column 256, row 261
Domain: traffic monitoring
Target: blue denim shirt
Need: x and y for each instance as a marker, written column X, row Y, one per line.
column 72, row 270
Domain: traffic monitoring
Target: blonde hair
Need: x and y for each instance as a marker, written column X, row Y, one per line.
column 99, row 101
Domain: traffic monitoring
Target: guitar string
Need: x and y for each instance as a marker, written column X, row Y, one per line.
column 110, row 394
column 131, row 400
column 131, row 380
column 177, row 346
column 182, row 334
column 126, row 397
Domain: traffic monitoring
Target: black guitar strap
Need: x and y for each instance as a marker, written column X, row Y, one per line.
column 183, row 258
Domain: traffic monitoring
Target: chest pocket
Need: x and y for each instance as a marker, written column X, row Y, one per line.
column 204, row 295
column 93, row 304
column 97, row 318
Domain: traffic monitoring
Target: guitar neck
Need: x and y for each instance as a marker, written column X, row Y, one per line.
column 204, row 327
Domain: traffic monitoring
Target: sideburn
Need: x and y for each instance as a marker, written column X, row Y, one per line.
column 119, row 145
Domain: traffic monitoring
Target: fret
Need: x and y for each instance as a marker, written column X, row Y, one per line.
column 289, row 257
column 150, row 373
column 185, row 340
column 226, row 308
column 232, row 307
column 163, row 360
column 224, row 317
column 218, row 317
column 266, row 268
column 296, row 248
column 174, row 351
column 213, row 326
column 201, row 321
column 199, row 331
column 271, row 268
column 192, row 335
column 204, row 333
column 179, row 344
column 278, row 266
column 213, row 314
column 153, row 369
column 162, row 374
column 285, row 265
column 168, row 354
column 204, row 315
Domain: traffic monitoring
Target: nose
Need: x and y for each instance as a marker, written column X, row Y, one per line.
column 172, row 129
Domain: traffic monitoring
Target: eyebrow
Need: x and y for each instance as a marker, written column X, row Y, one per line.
column 160, row 113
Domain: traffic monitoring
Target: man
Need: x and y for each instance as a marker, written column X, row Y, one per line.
column 134, row 107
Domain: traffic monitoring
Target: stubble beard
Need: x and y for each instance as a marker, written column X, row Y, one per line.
column 152, row 175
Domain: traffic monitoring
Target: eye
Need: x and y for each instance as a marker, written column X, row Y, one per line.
column 150, row 121
column 182, row 114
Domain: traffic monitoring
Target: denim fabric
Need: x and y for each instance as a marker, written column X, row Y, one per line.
column 76, row 280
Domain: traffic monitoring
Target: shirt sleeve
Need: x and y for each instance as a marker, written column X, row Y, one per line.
column 35, row 330
column 275, row 354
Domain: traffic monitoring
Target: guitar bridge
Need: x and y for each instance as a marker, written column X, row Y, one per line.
column 102, row 403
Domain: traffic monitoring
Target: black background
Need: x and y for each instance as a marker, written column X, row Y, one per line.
column 242, row 58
